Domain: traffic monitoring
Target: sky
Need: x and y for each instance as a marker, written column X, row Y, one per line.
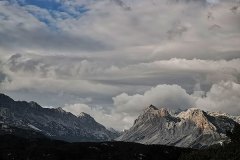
column 113, row 58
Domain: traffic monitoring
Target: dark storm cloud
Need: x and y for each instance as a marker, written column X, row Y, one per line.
column 2, row 77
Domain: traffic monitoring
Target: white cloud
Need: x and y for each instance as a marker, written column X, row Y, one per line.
column 224, row 97
column 99, row 80
column 108, row 26
column 170, row 96
column 76, row 109
column 118, row 121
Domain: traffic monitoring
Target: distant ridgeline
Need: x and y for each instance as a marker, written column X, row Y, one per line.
column 27, row 131
column 40, row 147
column 192, row 128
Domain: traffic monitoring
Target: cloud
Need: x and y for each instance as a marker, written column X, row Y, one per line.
column 94, row 77
column 40, row 31
column 108, row 119
column 3, row 77
column 106, row 26
column 93, row 68
column 224, row 97
column 76, row 109
column 170, row 96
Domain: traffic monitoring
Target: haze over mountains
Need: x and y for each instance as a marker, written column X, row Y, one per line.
column 191, row 128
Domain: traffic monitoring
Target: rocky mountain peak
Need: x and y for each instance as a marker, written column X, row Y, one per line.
column 152, row 107
column 5, row 99
column 53, row 122
column 152, row 110
column 59, row 109
column 85, row 116
column 191, row 128
column 34, row 104
column 191, row 112
column 199, row 118
column 163, row 112
column 152, row 113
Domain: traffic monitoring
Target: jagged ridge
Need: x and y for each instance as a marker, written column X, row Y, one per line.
column 55, row 123
column 192, row 128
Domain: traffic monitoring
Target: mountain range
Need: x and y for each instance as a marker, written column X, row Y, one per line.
column 192, row 128
column 53, row 123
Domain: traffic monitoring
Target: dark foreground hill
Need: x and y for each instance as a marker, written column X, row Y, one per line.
column 12, row 147
column 37, row 147
column 26, row 144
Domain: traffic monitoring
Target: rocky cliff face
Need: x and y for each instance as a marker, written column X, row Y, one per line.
column 55, row 123
column 192, row 128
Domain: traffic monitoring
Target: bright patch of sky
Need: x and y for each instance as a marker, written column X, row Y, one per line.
column 212, row 1
column 46, row 4
column 54, row 8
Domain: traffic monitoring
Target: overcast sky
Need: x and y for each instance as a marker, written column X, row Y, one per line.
column 113, row 58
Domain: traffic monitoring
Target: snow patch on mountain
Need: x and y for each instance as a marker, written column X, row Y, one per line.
column 35, row 128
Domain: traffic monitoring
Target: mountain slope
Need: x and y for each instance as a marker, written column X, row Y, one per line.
column 55, row 123
column 192, row 128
